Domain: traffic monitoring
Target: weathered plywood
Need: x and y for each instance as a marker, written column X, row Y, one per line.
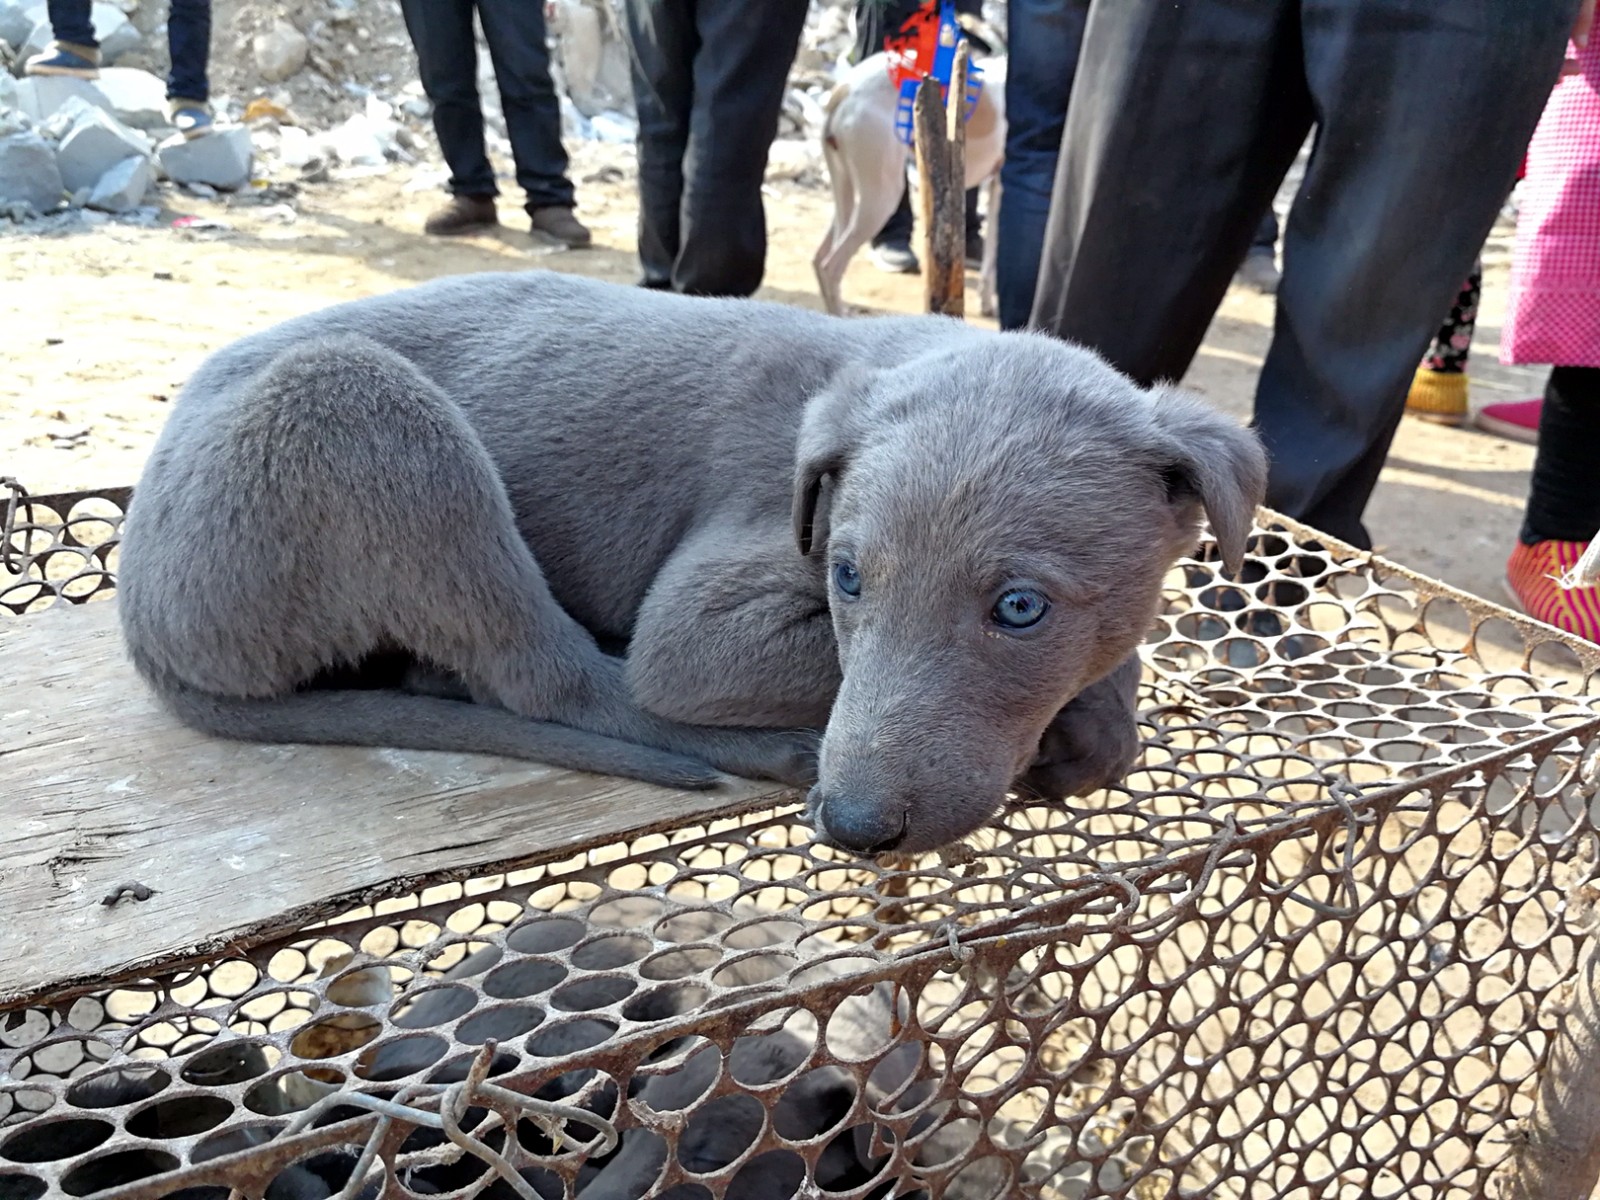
column 99, row 787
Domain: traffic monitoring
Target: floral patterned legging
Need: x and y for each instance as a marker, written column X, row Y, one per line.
column 1453, row 342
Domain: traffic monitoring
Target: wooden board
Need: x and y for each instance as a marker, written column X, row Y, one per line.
column 99, row 787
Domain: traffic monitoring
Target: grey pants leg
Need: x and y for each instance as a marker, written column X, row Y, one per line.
column 1183, row 122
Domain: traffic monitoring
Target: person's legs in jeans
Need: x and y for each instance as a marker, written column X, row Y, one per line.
column 662, row 42
column 189, row 42
column 515, row 32
column 71, row 24
column 447, row 62
column 740, row 71
column 1042, row 38
column 1563, row 513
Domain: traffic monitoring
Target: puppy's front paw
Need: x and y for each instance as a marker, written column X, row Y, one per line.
column 783, row 755
column 795, row 759
column 1088, row 746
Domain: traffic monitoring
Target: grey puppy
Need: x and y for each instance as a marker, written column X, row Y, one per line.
column 938, row 546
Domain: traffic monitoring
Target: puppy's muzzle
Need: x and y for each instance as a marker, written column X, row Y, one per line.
column 857, row 823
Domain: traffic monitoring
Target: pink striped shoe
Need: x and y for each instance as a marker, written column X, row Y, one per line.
column 1532, row 576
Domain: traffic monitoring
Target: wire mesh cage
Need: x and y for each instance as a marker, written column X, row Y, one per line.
column 1322, row 942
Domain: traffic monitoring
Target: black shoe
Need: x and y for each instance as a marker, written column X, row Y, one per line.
column 897, row 258
column 464, row 214
column 559, row 225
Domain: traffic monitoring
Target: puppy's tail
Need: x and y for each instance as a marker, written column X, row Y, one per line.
column 408, row 722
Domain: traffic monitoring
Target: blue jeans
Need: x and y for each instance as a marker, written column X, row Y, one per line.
column 1042, row 39
column 188, row 41
column 447, row 63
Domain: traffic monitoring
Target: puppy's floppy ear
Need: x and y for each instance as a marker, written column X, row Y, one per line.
column 828, row 431
column 1215, row 461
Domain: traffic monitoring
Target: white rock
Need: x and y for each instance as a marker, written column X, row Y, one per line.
column 361, row 141
column 614, row 127
column 96, row 143
column 13, row 121
column 115, row 32
column 16, row 22
column 220, row 158
column 280, row 51
column 8, row 91
column 72, row 110
column 28, row 172
column 791, row 158
column 574, row 125
column 41, row 96
column 295, row 146
column 123, row 186
column 138, row 98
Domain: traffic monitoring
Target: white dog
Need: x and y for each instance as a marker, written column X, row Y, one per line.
column 867, row 165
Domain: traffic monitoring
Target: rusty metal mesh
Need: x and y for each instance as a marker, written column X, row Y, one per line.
column 1313, row 947
column 58, row 547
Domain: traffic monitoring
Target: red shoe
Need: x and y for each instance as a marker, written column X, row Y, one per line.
column 1532, row 577
column 1514, row 419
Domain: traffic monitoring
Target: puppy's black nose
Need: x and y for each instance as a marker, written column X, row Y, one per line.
column 861, row 825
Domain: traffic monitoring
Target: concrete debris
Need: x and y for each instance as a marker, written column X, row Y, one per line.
column 295, row 147
column 221, row 158
column 70, row 111
column 280, row 51
column 17, row 21
column 42, row 96
column 591, row 55
column 138, row 98
column 368, row 139
column 614, row 127
column 123, row 187
column 96, row 142
column 28, row 172
column 326, row 89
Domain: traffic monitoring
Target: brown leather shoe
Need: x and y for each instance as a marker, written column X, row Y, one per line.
column 464, row 214
column 558, row 224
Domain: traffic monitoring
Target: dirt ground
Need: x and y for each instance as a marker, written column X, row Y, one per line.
column 101, row 326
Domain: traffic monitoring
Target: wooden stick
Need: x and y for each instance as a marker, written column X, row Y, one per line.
column 941, row 164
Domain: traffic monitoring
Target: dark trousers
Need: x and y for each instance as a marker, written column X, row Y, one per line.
column 897, row 230
column 447, row 61
column 1563, row 500
column 1044, row 38
column 708, row 84
column 188, row 41
column 1185, row 119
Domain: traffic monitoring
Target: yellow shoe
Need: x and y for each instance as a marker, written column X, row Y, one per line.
column 1438, row 396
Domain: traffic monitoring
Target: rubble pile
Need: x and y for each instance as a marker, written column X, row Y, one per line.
column 305, row 91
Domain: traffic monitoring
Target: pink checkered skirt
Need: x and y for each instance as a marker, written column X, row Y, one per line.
column 1554, row 314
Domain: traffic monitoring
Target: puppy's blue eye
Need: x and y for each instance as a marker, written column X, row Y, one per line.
column 1020, row 608
column 846, row 578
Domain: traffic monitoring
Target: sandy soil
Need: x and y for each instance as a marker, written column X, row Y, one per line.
column 101, row 326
